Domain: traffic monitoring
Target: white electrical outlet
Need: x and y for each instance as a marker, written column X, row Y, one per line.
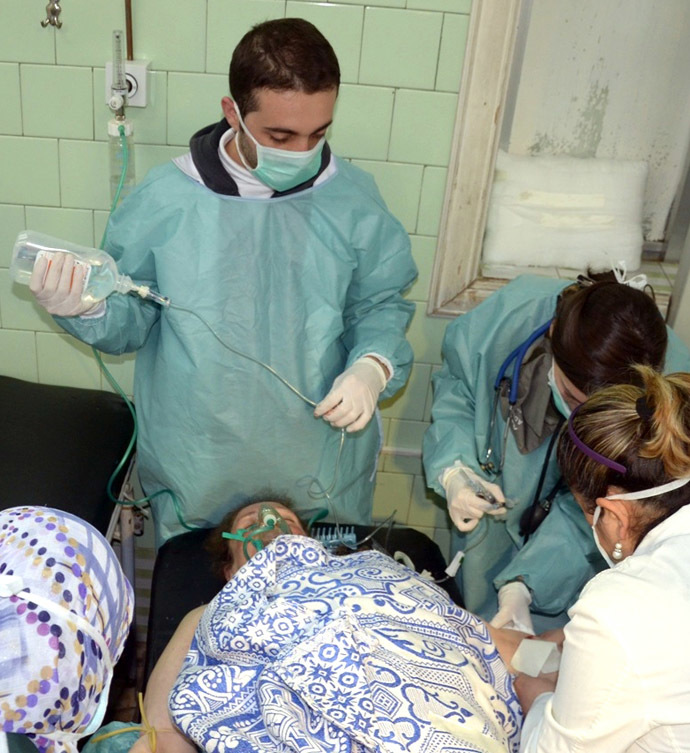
column 136, row 73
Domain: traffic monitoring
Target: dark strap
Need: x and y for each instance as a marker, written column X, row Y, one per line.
column 204, row 148
column 533, row 518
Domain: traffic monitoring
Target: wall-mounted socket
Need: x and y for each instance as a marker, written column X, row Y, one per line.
column 136, row 73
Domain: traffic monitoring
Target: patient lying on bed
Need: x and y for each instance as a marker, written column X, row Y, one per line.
column 306, row 650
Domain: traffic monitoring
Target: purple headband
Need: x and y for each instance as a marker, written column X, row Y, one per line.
column 589, row 451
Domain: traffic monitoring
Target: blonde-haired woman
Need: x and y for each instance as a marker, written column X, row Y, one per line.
column 624, row 681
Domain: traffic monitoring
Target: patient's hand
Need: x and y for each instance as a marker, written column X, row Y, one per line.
column 528, row 688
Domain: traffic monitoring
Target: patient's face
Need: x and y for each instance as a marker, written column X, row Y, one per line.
column 249, row 516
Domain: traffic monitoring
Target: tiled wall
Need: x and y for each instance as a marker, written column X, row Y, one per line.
column 401, row 62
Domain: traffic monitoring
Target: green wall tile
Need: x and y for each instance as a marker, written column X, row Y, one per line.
column 452, row 54
column 75, row 225
column 404, row 435
column 399, row 463
column 42, row 84
column 400, row 186
column 382, row 3
column 11, row 110
column 442, row 538
column 64, row 360
column 84, row 174
column 430, row 392
column 454, row 6
column 193, row 102
column 392, row 493
column 19, row 308
column 86, row 36
column 171, row 37
column 409, row 402
column 152, row 156
column 341, row 25
column 18, row 355
column 100, row 220
column 228, row 24
column 362, row 122
column 29, row 172
column 22, row 39
column 400, row 48
column 431, row 201
column 423, row 252
column 426, row 508
column 422, row 127
column 11, row 224
column 426, row 335
column 149, row 123
column 122, row 371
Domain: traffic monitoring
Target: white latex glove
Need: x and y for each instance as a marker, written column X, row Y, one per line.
column 57, row 285
column 514, row 599
column 464, row 505
column 353, row 396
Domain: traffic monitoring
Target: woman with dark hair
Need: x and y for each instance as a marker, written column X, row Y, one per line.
column 624, row 680
column 513, row 369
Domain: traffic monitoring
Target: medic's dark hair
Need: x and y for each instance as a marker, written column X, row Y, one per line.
column 602, row 329
column 287, row 54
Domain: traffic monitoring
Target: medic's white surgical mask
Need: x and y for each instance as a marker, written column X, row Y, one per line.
column 281, row 169
column 602, row 551
column 563, row 407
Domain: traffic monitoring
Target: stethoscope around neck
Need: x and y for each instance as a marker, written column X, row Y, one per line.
column 488, row 463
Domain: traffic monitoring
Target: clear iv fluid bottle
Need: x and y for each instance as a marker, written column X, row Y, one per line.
column 117, row 157
column 101, row 276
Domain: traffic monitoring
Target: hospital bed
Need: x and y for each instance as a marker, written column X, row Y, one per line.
column 59, row 447
column 182, row 578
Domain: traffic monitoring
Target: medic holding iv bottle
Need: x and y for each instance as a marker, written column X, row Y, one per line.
column 100, row 274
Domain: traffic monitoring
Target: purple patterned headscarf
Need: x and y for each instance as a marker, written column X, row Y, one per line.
column 65, row 611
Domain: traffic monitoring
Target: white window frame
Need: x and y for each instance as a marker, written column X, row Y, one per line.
column 456, row 285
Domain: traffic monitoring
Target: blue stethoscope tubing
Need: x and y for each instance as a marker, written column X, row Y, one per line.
column 515, row 357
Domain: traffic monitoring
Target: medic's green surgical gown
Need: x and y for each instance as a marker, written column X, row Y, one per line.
column 561, row 556
column 307, row 283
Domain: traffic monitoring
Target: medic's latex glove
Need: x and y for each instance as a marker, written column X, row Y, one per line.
column 464, row 505
column 353, row 396
column 57, row 284
column 514, row 599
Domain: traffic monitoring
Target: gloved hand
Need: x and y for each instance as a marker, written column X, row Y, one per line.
column 514, row 599
column 57, row 285
column 464, row 505
column 353, row 396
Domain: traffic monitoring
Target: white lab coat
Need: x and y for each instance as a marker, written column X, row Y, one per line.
column 624, row 683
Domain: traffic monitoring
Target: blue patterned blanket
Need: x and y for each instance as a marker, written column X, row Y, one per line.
column 306, row 651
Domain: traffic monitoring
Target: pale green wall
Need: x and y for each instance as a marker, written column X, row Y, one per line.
column 401, row 62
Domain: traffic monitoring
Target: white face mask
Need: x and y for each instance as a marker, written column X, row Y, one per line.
column 602, row 551
column 563, row 407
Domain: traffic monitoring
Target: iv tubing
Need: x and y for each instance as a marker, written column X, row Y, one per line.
column 322, row 494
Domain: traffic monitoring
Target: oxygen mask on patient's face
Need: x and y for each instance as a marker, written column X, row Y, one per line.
column 268, row 526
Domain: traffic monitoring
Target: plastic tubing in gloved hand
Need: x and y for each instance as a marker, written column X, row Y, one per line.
column 469, row 496
column 514, row 599
column 352, row 399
